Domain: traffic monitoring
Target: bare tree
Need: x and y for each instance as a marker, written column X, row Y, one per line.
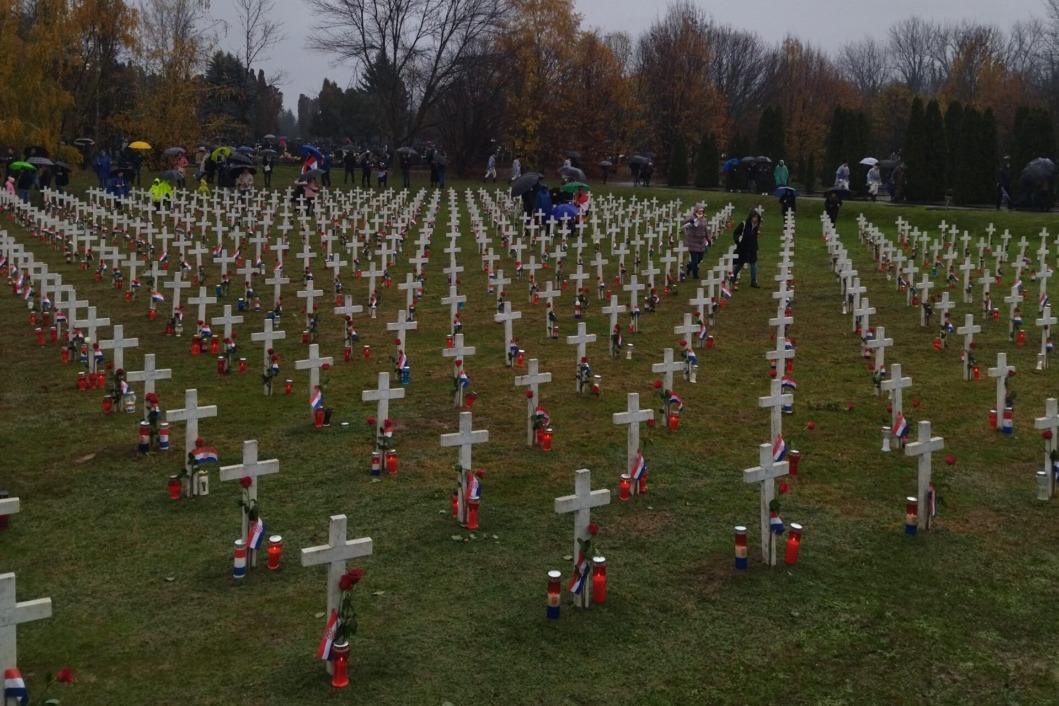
column 417, row 45
column 259, row 33
column 176, row 35
column 1026, row 50
column 913, row 43
column 621, row 44
column 741, row 67
column 865, row 65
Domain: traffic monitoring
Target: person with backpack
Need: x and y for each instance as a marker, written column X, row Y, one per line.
column 746, row 236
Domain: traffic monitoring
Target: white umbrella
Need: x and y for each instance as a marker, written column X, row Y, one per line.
column 870, row 161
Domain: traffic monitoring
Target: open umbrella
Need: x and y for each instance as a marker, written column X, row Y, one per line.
column 219, row 152
column 245, row 149
column 309, row 149
column 237, row 160
column 410, row 151
column 170, row 175
column 781, row 190
column 762, row 160
column 525, row 182
column 572, row 173
column 139, row 145
column 311, row 174
column 572, row 186
column 19, row 165
column 441, row 160
column 123, row 169
column 606, row 163
column 1039, row 169
column 62, row 165
column 573, row 154
column 748, row 160
column 842, row 194
column 174, row 151
column 638, row 159
column 730, row 164
column 84, row 141
column 239, row 167
column 869, row 161
column 567, row 210
column 644, row 153
column 269, row 136
column 268, row 153
column 40, row 161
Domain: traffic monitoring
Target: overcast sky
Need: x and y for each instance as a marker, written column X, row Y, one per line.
column 825, row 23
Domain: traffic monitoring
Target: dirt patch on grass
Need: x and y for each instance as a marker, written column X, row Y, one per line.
column 645, row 522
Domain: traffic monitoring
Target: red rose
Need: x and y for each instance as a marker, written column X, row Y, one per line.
column 355, row 575
column 915, row 402
column 651, row 423
column 529, row 394
column 871, row 367
column 889, row 408
column 810, row 425
column 849, row 407
column 397, row 341
column 480, row 473
column 593, row 529
column 387, row 423
column 459, row 362
column 246, row 481
column 371, row 421
column 658, row 384
column 683, row 343
column 1047, row 435
column 772, row 372
column 951, row 460
column 200, row 442
column 346, row 582
column 784, row 487
column 65, row 675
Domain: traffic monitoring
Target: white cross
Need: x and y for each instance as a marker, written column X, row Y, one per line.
column 532, row 380
column 580, row 340
column 466, row 438
column 13, row 613
column 335, row 554
column 581, row 504
column 507, row 317
column 201, row 301
column 252, row 468
column 227, row 320
column 667, row 367
column 119, row 343
column 148, row 376
column 268, row 336
column 895, row 386
column 775, row 403
column 968, row 330
column 382, row 395
column 632, row 418
column 613, row 309
column 454, row 300
column 634, row 288
column 861, row 316
column 1049, row 421
column 91, row 322
column 1000, row 373
column 277, row 281
column 499, row 283
column 349, row 308
column 176, row 284
column 313, row 363
column 402, row 326
column 766, row 474
column 191, row 413
column 309, row 295
column 924, row 446
column 1045, row 322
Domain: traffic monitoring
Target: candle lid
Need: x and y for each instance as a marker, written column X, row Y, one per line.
column 795, row 527
column 240, row 543
column 555, row 574
column 275, row 539
column 912, row 499
column 740, row 529
column 599, row 560
column 1039, row 475
column 626, row 476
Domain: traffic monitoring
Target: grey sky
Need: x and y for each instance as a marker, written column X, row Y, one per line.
column 825, row 23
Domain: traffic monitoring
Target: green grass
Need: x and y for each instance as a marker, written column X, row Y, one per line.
column 146, row 611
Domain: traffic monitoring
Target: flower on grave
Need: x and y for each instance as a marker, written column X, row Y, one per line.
column 529, row 394
column 810, row 425
column 950, row 460
column 1046, row 435
column 250, row 507
column 877, row 377
column 346, row 626
column 593, row 529
column 17, row 693
column 651, row 423
column 775, row 523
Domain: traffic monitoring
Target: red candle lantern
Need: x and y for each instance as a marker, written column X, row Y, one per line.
column 288, row 387
column 128, row 295
column 794, row 542
column 348, row 354
column 553, row 594
column 674, row 422
column 242, row 366
column 376, row 463
column 196, row 348
column 599, row 580
column 82, row 382
column 108, row 405
column 101, row 380
column 448, row 341
column 65, row 356
column 643, row 483
column 740, row 548
column 1020, row 339
column 937, row 343
column 624, row 486
column 174, row 487
column 40, row 335
column 520, row 359
column 709, row 343
column 391, row 462
column 546, row 438
column 992, row 420
column 275, row 548
column 53, row 334
column 151, row 314
column 33, row 318
column 220, row 365
column 367, row 352
column 977, row 373
column 996, row 314
column 215, row 346
column 318, row 418
column 472, row 514
column 144, row 443
column 789, row 366
column 792, row 463
column 305, row 336
column 911, row 515
column 455, row 504
column 469, row 399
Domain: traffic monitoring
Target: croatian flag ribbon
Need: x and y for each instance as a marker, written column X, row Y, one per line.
column 474, row 489
column 788, row 381
column 639, row 466
column 205, row 454
column 316, row 400
column 402, row 361
column 328, row 639
column 577, row 581
column 1043, row 302
column 675, row 403
column 779, row 449
column 775, row 523
column 157, row 297
column 14, row 687
column 726, row 292
column 464, row 380
column 164, row 257
column 702, row 331
column 901, row 426
column 256, row 534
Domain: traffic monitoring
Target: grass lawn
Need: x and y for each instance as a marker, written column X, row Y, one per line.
column 146, row 610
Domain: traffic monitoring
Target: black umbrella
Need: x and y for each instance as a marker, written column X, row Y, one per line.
column 410, row 151
column 311, row 174
column 245, row 149
column 240, row 160
column 40, row 161
column 268, row 153
column 748, row 160
column 572, row 173
column 170, row 175
column 440, row 160
column 842, row 194
column 763, row 160
column 525, row 182
column 84, row 141
column 174, row 151
column 606, row 163
column 573, row 154
column 269, row 137
column 62, row 165
column 649, row 155
column 123, row 169
column 638, row 159
column 1038, row 170
column 240, row 167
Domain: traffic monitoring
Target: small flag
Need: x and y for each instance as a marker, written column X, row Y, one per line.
column 259, row 264
column 256, row 534
column 639, row 466
column 316, row 400
column 205, row 454
column 14, row 687
column 1043, row 301
column 901, row 426
column 775, row 523
column 788, row 381
column 788, row 344
column 157, row 297
column 1017, row 319
column 328, row 639
column 675, row 403
column 726, row 292
column 185, row 265
column 278, row 268
column 205, row 331
column 702, row 331
column 779, row 449
column 474, row 490
column 464, row 380
column 164, row 257
column 577, row 581
column 402, row 361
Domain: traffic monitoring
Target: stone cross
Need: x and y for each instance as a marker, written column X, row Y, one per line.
column 766, row 473
column 176, row 284
column 119, row 343
column 613, row 309
column 201, row 301
column 1012, row 300
column 91, row 322
column 382, row 395
column 580, row 340
column 314, row 362
column 252, row 468
column 466, row 438
column 335, row 554
column 1045, row 322
column 191, row 413
column 861, row 314
column 632, row 418
column 667, row 367
column 349, row 308
column 148, row 376
column 895, row 386
column 12, row 613
column 923, row 447
column 968, row 330
column 532, row 381
column 267, row 337
column 879, row 344
column 775, row 403
column 227, row 320
column 633, row 288
column 581, row 504
column 506, row 318
column 402, row 326
column 277, row 281
column 1049, row 421
column 453, row 300
column 309, row 294
column 1000, row 374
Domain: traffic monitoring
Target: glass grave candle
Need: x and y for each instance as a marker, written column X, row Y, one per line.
column 340, row 659
column 624, row 487
column 553, row 594
column 391, row 462
column 911, row 515
column 794, row 542
column 886, row 433
column 546, row 438
column 239, row 559
column 992, row 420
column 275, row 549
column 472, row 514
column 599, row 580
column 792, row 463
column 174, row 486
column 740, row 548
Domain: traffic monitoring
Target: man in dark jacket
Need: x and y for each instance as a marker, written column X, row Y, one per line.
column 746, row 235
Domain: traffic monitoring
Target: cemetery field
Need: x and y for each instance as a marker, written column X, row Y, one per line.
column 145, row 608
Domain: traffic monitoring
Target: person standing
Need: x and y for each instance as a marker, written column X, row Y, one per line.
column 874, row 181
column 842, row 176
column 781, row 174
column 490, row 168
column 267, row 164
column 1003, row 186
column 832, row 204
column 696, row 238
column 516, row 168
column 325, row 178
column 441, row 165
column 383, row 172
column 646, row 172
column 349, row 161
column 406, row 170
column 900, row 179
column 746, row 237
column 365, row 169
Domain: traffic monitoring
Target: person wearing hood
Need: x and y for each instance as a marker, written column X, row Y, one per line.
column 696, row 238
column 161, row 190
column 746, row 236
column 781, row 174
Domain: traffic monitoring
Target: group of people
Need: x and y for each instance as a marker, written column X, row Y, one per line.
column 698, row 241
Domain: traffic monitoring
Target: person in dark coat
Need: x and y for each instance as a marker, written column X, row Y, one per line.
column 832, row 204
column 1003, row 186
column 746, row 236
column 697, row 238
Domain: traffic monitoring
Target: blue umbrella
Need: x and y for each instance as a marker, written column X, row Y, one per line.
column 245, row 149
column 565, row 209
column 731, row 164
column 781, row 189
column 309, row 149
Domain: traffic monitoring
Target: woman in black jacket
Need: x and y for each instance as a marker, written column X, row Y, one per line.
column 746, row 235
